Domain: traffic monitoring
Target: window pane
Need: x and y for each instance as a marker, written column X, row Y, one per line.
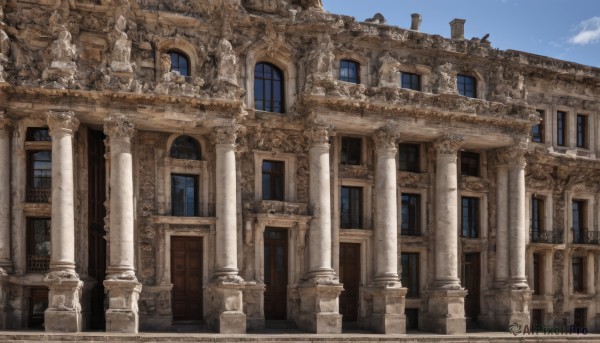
column 469, row 163
column 349, row 71
column 184, row 195
column 179, row 63
column 38, row 134
column 273, row 180
column 351, row 208
column 185, row 147
column 409, row 157
column 351, row 151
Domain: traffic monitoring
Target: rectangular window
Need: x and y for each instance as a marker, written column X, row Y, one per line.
column 410, row 273
column 579, row 223
column 351, row 151
column 408, row 157
column 38, row 245
column 469, row 163
column 470, row 217
column 411, row 81
column 411, row 215
column 184, row 195
column 39, row 176
column 537, row 131
column 582, row 131
column 561, row 128
column 578, row 275
column 351, row 208
column 537, row 273
column 466, row 86
column 537, row 214
column 349, row 71
column 273, row 180
column 38, row 134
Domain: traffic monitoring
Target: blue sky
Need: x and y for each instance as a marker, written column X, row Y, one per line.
column 564, row 29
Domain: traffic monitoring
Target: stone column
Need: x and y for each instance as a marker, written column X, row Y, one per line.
column 121, row 283
column 5, row 227
column 64, row 308
column 5, row 193
column 319, row 294
column 512, row 297
column 501, row 222
column 225, row 306
column 388, row 296
column 446, row 301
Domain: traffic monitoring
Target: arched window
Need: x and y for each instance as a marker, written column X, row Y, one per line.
column 180, row 63
column 186, row 148
column 268, row 88
column 349, row 71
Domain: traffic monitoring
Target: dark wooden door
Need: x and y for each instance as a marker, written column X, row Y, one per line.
column 96, row 214
column 276, row 274
column 186, row 276
column 350, row 278
column 471, row 274
column 580, row 318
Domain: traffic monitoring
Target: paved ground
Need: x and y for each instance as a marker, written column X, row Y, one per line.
column 276, row 336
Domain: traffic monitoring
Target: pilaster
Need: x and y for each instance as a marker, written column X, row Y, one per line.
column 5, row 194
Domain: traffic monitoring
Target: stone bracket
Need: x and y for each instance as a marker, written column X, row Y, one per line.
column 319, row 308
column 122, row 314
column 385, row 304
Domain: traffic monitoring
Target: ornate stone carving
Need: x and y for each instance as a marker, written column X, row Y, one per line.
column 280, row 207
column 226, row 134
column 507, row 85
column 121, row 48
column 389, row 71
column 273, row 39
column 118, row 126
column 444, row 79
column 62, row 121
column 4, row 49
column 319, row 64
column 513, row 155
column 355, row 172
column 386, row 138
column 227, row 65
column 60, row 56
column 6, row 122
column 318, row 134
column 310, row 4
column 268, row 6
column 448, row 144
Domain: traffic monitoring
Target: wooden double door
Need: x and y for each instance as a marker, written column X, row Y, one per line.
column 276, row 273
column 186, row 276
column 471, row 280
column 350, row 278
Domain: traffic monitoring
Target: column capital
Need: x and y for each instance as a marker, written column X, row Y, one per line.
column 448, row 144
column 226, row 134
column 512, row 155
column 62, row 121
column 386, row 138
column 118, row 126
column 6, row 122
column 318, row 134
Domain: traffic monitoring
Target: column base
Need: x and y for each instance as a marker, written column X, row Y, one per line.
column 122, row 314
column 224, row 305
column 384, row 312
column 446, row 312
column 510, row 307
column 3, row 300
column 64, row 302
column 319, row 306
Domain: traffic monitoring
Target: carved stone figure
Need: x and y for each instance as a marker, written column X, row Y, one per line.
column 121, row 48
column 4, row 52
column 227, row 66
column 319, row 66
column 444, row 79
column 60, row 56
column 389, row 71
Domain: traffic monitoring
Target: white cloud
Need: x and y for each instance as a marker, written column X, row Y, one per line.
column 589, row 32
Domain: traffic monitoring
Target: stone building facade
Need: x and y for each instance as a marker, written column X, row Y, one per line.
column 231, row 163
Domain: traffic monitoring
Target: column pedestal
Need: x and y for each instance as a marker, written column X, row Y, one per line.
column 384, row 312
column 3, row 300
column 446, row 312
column 122, row 314
column 64, row 309
column 319, row 307
column 224, row 305
column 511, row 306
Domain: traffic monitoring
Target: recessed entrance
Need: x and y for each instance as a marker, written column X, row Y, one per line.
column 471, row 281
column 350, row 278
column 186, row 276
column 276, row 274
